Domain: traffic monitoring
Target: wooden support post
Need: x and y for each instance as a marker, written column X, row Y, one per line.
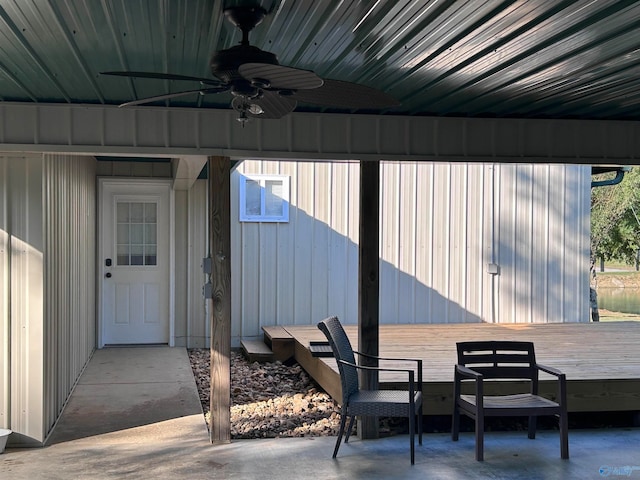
column 220, row 305
column 369, row 281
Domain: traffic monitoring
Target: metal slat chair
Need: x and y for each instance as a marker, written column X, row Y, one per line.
column 377, row 403
column 505, row 360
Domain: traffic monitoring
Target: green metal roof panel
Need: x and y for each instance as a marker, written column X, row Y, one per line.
column 506, row 58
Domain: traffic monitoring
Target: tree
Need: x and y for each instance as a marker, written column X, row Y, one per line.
column 615, row 219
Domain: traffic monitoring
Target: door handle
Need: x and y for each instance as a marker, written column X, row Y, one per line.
column 108, row 275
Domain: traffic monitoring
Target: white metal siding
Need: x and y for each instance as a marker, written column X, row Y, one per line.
column 197, row 326
column 441, row 225
column 23, row 272
column 5, row 371
column 47, row 269
column 69, row 206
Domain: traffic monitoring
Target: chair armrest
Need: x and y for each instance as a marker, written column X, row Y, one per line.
column 409, row 372
column 549, row 370
column 562, row 382
column 461, row 372
column 397, row 359
column 388, row 358
column 467, row 372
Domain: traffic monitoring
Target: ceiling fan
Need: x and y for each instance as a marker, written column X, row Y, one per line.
column 261, row 87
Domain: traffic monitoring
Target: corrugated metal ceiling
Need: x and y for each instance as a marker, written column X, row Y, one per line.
column 504, row 58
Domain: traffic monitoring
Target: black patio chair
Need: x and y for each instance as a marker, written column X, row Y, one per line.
column 505, row 360
column 377, row 403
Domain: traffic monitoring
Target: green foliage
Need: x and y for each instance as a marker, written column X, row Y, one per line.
column 615, row 219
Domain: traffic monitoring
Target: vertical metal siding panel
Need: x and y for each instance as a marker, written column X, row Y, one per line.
column 237, row 264
column 576, row 259
column 456, row 286
column 407, row 243
column 302, row 244
column 506, row 222
column 341, row 248
column 181, row 272
column 441, row 233
column 250, row 280
column 523, row 244
column 584, row 249
column 26, row 298
column 197, row 331
column 341, row 211
column 5, row 365
column 269, row 257
column 320, row 241
column 488, row 240
column 389, row 241
column 285, row 313
column 424, row 246
column 69, row 256
column 473, row 246
column 555, row 264
column 354, row 238
column 540, row 244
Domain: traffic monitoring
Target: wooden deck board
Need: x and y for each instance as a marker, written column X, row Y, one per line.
column 601, row 360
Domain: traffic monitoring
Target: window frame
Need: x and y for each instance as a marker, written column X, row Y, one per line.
column 263, row 217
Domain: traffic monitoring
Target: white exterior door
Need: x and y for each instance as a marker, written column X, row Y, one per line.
column 134, row 262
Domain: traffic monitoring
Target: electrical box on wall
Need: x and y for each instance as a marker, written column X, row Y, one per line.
column 207, row 265
column 493, row 268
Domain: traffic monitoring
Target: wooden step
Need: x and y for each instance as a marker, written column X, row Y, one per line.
column 280, row 341
column 257, row 351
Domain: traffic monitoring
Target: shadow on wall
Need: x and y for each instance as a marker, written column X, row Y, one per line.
column 532, row 216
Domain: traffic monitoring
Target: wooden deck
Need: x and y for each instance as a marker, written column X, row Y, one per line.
column 601, row 360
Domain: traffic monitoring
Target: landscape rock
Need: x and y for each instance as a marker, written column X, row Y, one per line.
column 269, row 400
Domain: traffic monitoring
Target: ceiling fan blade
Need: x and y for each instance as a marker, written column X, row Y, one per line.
column 201, row 91
column 275, row 105
column 271, row 105
column 164, row 76
column 336, row 93
column 278, row 76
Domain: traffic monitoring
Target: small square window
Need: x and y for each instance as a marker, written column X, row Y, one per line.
column 264, row 198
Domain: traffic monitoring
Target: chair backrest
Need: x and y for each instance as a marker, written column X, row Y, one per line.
column 499, row 359
column 341, row 346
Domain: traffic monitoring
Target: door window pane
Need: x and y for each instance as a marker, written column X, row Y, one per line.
column 136, row 233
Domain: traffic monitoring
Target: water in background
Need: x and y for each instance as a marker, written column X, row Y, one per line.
column 625, row 300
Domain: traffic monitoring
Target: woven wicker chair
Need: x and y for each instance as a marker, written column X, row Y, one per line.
column 505, row 360
column 377, row 403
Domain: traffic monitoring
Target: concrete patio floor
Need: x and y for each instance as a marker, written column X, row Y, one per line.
column 135, row 414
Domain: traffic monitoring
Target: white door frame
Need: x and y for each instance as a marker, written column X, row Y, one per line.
column 100, row 267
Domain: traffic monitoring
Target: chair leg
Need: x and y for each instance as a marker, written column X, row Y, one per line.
column 532, row 427
column 352, row 420
column 412, row 434
column 564, row 435
column 479, row 437
column 455, row 422
column 343, row 421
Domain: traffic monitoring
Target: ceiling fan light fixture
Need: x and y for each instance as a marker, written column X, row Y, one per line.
column 255, row 109
column 243, row 118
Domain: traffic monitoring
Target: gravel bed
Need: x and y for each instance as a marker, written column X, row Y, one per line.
column 269, row 400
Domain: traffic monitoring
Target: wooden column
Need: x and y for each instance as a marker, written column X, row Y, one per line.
column 369, row 280
column 219, row 306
